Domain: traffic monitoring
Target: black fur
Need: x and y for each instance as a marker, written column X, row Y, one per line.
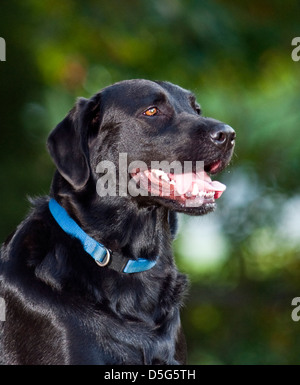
column 61, row 308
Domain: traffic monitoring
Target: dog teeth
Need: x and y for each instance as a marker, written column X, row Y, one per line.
column 160, row 173
column 195, row 190
column 209, row 195
column 189, row 194
column 200, row 194
column 205, row 194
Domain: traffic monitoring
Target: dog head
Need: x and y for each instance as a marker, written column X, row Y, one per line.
column 157, row 129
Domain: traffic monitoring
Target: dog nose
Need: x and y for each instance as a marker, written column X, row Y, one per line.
column 223, row 135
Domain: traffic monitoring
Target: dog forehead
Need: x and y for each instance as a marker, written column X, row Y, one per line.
column 138, row 92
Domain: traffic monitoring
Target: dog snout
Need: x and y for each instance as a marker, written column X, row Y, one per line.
column 223, row 136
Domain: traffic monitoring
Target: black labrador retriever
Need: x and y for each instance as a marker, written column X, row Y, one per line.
column 113, row 201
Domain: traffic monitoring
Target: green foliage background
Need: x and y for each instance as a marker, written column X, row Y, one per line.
column 243, row 260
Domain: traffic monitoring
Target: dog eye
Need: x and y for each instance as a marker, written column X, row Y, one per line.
column 151, row 111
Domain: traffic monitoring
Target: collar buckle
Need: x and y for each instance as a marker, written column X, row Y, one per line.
column 105, row 260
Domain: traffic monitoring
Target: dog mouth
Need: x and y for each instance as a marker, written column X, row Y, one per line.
column 192, row 189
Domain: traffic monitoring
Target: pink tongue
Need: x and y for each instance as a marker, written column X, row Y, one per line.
column 185, row 182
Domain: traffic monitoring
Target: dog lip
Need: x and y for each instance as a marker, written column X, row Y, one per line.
column 214, row 167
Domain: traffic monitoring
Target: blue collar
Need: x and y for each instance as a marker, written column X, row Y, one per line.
column 102, row 255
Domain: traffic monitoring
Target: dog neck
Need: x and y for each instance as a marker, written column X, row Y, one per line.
column 105, row 218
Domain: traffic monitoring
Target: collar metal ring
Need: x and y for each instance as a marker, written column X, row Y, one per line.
column 105, row 260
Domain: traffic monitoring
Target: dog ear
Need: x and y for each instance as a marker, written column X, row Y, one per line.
column 67, row 143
